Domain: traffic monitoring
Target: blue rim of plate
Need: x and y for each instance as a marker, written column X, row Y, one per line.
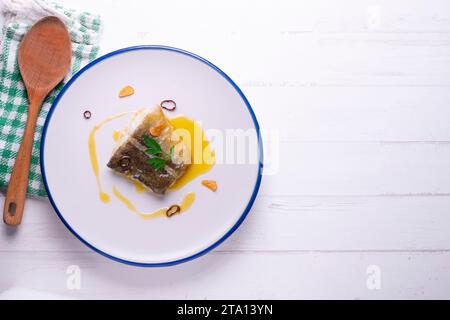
column 260, row 151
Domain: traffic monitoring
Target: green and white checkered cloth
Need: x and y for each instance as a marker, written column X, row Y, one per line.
column 19, row 15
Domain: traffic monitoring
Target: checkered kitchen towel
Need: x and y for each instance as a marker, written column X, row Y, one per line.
column 19, row 15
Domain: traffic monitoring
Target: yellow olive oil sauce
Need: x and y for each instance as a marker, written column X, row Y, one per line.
column 93, row 154
column 186, row 203
column 117, row 134
column 139, row 186
column 202, row 160
column 202, row 157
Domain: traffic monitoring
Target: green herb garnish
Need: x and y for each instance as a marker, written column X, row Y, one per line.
column 154, row 149
column 153, row 146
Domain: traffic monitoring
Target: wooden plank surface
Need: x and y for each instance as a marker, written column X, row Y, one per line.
column 264, row 275
column 288, row 223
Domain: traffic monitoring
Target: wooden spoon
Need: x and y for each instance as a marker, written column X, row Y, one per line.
column 44, row 59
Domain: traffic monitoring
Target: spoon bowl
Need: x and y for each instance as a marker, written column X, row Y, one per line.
column 44, row 55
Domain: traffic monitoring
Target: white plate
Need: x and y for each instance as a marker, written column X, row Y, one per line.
column 202, row 92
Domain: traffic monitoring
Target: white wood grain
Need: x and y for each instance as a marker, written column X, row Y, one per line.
column 233, row 276
column 360, row 169
column 287, row 223
column 349, row 114
column 358, row 92
column 292, row 43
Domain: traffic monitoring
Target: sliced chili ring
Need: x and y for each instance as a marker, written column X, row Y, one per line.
column 87, row 114
column 169, row 105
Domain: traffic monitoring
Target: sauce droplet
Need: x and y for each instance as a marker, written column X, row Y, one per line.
column 117, row 134
column 104, row 197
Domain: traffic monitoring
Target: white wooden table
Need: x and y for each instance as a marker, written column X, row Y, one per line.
column 359, row 206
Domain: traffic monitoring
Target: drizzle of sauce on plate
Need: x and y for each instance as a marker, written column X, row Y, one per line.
column 93, row 154
column 186, row 203
column 202, row 160
column 202, row 157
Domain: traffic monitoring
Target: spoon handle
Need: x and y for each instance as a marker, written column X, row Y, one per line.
column 17, row 187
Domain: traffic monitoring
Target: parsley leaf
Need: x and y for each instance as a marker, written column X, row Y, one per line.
column 153, row 146
column 157, row 163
